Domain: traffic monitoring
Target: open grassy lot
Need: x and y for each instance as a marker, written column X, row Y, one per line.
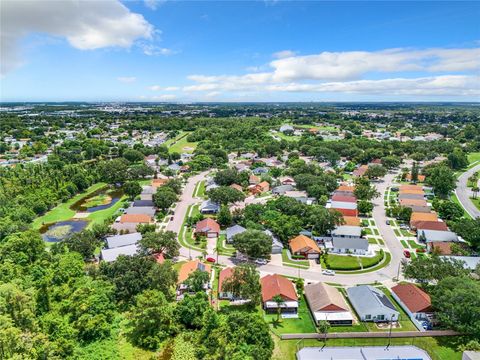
column 350, row 262
column 287, row 137
column 440, row 348
column 63, row 212
column 180, row 142
column 303, row 324
column 302, row 264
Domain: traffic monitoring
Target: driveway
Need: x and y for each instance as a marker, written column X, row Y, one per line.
column 464, row 193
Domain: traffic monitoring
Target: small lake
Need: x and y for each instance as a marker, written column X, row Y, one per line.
column 101, row 199
column 58, row 231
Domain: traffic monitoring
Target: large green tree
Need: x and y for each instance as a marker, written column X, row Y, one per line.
column 254, row 243
column 244, row 284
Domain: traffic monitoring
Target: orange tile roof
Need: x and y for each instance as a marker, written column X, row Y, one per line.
column 264, row 185
column 189, row 267
column 224, row 274
column 236, row 187
column 277, row 285
column 346, row 188
column 159, row 182
column 417, row 216
column 135, row 218
column 410, row 187
column 412, row 191
column 414, row 298
column 302, row 242
column 351, row 220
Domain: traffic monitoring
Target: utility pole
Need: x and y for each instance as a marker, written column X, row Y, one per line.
column 390, row 332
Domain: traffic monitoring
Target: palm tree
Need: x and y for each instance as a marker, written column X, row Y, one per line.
column 475, row 190
column 279, row 300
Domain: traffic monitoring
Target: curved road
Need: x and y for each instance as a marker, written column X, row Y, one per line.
column 385, row 274
column 464, row 193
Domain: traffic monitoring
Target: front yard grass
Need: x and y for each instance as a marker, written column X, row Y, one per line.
column 404, row 244
column 302, row 264
column 397, row 232
column 413, row 244
column 226, row 249
column 304, row 324
column 351, row 262
column 406, row 233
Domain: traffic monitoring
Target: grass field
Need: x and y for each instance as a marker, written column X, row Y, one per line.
column 454, row 198
column 303, row 324
column 63, row 212
column 476, row 202
column 98, row 217
column 287, row 137
column 440, row 348
column 180, row 142
column 302, row 264
column 349, row 262
column 473, row 157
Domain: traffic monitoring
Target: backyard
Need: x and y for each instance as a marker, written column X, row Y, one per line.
column 303, row 324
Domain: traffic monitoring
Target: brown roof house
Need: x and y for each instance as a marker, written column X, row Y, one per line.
column 302, row 245
column 416, row 217
column 273, row 285
column 413, row 300
column 207, row 227
column 188, row 268
column 259, row 188
column 327, row 304
column 136, row 218
column 360, row 171
column 253, row 180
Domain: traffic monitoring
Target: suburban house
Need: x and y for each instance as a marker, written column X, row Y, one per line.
column 136, row 218
column 347, row 231
column 431, row 225
column 413, row 300
column 282, row 189
column 232, row 231
column 404, row 188
column 343, row 198
column 207, row 227
column 273, row 285
column 429, row 236
column 346, row 188
column 142, row 203
column 302, row 245
column 413, row 202
column 112, row 254
column 260, row 170
column 359, row 172
column 209, row 207
column 402, row 196
column 285, row 180
column 346, row 245
column 326, row 303
column 286, row 128
column 237, row 187
column 300, row 196
column 124, row 227
column 253, row 180
column 259, row 188
column 371, row 304
column 224, row 274
column 416, row 217
column 123, row 240
column 147, row 210
column 188, row 268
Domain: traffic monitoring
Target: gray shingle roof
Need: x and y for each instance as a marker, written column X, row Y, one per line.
column 350, row 243
column 368, row 300
column 234, row 230
column 122, row 240
column 110, row 255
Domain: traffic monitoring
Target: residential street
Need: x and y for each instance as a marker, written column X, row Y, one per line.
column 383, row 275
column 464, row 193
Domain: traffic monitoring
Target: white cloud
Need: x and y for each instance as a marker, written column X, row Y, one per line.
column 127, row 79
column 164, row 97
column 87, row 25
column 154, row 50
column 443, row 72
column 283, row 54
column 153, row 4
column 159, row 88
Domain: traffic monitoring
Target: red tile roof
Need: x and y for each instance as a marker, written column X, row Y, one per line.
column 207, row 225
column 431, row 225
column 414, row 298
column 345, row 198
column 277, row 285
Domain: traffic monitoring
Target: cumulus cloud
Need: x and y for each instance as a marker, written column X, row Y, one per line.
column 283, row 54
column 444, row 72
column 86, row 25
column 127, row 79
column 167, row 88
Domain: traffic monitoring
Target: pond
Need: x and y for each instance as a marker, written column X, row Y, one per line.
column 55, row 232
column 101, row 199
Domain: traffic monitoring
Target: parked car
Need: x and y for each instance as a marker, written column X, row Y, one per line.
column 406, row 253
column 388, row 222
column 328, row 272
column 261, row 261
column 394, row 189
column 210, row 259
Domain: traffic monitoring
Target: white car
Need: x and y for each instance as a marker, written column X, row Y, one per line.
column 328, row 272
column 261, row 262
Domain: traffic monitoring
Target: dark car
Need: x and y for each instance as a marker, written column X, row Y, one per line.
column 406, row 253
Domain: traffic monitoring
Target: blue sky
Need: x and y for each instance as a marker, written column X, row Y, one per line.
column 240, row 51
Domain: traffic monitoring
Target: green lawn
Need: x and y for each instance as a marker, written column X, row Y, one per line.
column 350, row 262
column 98, row 217
column 201, row 189
column 439, row 348
column 473, row 157
column 406, row 233
column 368, row 231
column 226, row 249
column 476, row 202
column 287, row 137
column 454, row 198
column 63, row 212
column 413, row 244
column 388, row 258
column 404, row 244
column 302, row 264
column 303, row 324
column 397, row 232
column 375, row 231
column 372, row 240
column 185, row 235
column 178, row 143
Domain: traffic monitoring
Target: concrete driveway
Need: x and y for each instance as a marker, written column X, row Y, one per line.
column 464, row 193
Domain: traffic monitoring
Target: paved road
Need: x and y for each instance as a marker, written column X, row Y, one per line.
column 464, row 193
column 384, row 275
